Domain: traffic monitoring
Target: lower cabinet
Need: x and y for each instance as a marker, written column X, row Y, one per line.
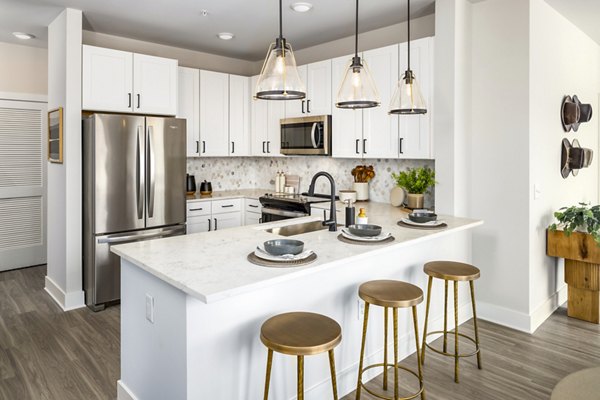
column 215, row 215
column 252, row 212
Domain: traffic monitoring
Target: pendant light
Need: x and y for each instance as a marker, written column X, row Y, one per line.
column 357, row 89
column 407, row 98
column 279, row 78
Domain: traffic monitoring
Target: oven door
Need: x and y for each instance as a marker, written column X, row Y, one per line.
column 306, row 136
column 274, row 214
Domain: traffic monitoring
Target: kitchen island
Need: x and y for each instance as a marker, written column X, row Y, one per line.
column 192, row 306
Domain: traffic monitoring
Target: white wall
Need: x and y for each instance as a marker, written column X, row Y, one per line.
column 64, row 275
column 563, row 61
column 24, row 69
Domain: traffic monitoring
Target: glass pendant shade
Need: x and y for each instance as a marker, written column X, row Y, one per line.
column 357, row 89
column 408, row 98
column 279, row 78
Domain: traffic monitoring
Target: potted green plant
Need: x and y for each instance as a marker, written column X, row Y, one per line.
column 580, row 218
column 416, row 181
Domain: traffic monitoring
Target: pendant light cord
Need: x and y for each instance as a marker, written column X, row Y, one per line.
column 408, row 16
column 280, row 21
column 356, row 32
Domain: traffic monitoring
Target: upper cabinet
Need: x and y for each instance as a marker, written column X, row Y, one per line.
column 265, row 135
column 239, row 115
column 317, row 78
column 120, row 81
column 415, row 139
column 346, row 124
column 214, row 114
column 188, row 107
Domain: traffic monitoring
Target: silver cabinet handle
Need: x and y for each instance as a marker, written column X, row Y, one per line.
column 139, row 176
column 128, row 238
column 151, row 172
column 209, row 225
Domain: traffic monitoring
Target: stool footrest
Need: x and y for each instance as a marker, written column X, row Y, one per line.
column 445, row 353
column 385, row 367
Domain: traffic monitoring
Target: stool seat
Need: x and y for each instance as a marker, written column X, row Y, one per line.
column 388, row 293
column 451, row 270
column 300, row 333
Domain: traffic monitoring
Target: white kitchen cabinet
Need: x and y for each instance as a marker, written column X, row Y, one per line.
column 214, row 114
column 317, row 78
column 154, row 85
column 119, row 81
column 206, row 216
column 227, row 220
column 252, row 212
column 265, row 136
column 188, row 107
column 239, row 115
column 380, row 130
column 199, row 218
column 107, row 79
column 415, row 138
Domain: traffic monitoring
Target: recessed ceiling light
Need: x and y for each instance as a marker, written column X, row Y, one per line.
column 301, row 6
column 23, row 35
column 225, row 35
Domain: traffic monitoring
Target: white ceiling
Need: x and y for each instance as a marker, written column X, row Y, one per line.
column 180, row 23
column 583, row 13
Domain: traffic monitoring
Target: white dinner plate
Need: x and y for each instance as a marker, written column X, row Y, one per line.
column 262, row 253
column 431, row 223
column 378, row 238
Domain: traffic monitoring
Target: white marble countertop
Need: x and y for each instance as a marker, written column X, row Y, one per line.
column 229, row 194
column 212, row 266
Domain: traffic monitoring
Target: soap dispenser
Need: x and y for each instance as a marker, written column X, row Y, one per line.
column 350, row 213
column 362, row 217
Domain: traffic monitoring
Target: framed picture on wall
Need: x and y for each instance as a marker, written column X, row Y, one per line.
column 55, row 135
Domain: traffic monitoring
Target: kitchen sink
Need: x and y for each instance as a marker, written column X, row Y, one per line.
column 298, row 229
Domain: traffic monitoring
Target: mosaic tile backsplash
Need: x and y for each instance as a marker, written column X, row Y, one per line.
column 257, row 172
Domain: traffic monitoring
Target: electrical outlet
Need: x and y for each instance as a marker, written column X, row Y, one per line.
column 149, row 308
column 361, row 309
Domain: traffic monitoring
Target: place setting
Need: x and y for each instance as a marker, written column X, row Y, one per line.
column 422, row 219
column 364, row 234
column 282, row 253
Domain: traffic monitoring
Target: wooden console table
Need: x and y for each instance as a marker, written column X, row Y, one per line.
column 582, row 272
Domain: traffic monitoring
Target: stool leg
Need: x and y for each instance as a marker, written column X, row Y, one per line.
column 300, row 378
column 445, row 315
column 475, row 325
column 456, row 331
column 385, row 358
column 362, row 351
column 416, row 323
column 395, row 311
column 426, row 319
column 333, row 379
column 268, row 378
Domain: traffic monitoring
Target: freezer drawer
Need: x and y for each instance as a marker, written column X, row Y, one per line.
column 102, row 268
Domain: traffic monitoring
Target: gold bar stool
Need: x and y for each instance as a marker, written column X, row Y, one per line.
column 300, row 334
column 451, row 271
column 394, row 295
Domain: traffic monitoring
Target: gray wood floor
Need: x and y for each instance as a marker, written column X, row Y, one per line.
column 48, row 354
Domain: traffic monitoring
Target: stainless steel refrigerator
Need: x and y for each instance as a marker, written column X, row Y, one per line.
column 134, row 189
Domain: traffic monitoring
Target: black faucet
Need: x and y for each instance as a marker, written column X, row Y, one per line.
column 332, row 221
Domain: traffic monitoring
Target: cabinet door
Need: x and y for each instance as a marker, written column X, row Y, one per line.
column 252, row 218
column 188, row 107
column 198, row 224
column 214, row 114
column 227, row 220
column 275, row 115
column 319, row 88
column 346, row 127
column 415, row 130
column 239, row 115
column 154, row 85
column 260, row 114
column 107, row 80
column 297, row 108
column 380, row 130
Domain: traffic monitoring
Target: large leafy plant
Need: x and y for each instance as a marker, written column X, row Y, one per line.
column 415, row 180
column 581, row 217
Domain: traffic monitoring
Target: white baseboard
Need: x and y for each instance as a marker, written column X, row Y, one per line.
column 66, row 301
column 32, row 97
column 519, row 320
column 123, row 392
column 346, row 379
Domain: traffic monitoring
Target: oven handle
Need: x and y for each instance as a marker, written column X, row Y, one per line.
column 284, row 213
column 313, row 138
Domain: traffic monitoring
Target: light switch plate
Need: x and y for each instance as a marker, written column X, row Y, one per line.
column 149, row 308
column 537, row 191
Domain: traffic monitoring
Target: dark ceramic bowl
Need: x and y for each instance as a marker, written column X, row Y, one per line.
column 279, row 247
column 365, row 230
column 421, row 218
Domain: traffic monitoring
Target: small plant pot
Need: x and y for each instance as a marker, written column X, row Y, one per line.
column 415, row 201
column 362, row 190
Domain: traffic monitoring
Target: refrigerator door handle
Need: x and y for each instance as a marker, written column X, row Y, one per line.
column 139, row 177
column 151, row 172
column 128, row 238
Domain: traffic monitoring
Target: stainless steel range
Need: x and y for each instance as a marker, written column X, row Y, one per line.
column 279, row 206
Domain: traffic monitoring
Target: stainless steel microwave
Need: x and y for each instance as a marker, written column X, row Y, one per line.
column 306, row 136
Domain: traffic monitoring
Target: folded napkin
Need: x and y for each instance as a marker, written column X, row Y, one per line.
column 260, row 252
